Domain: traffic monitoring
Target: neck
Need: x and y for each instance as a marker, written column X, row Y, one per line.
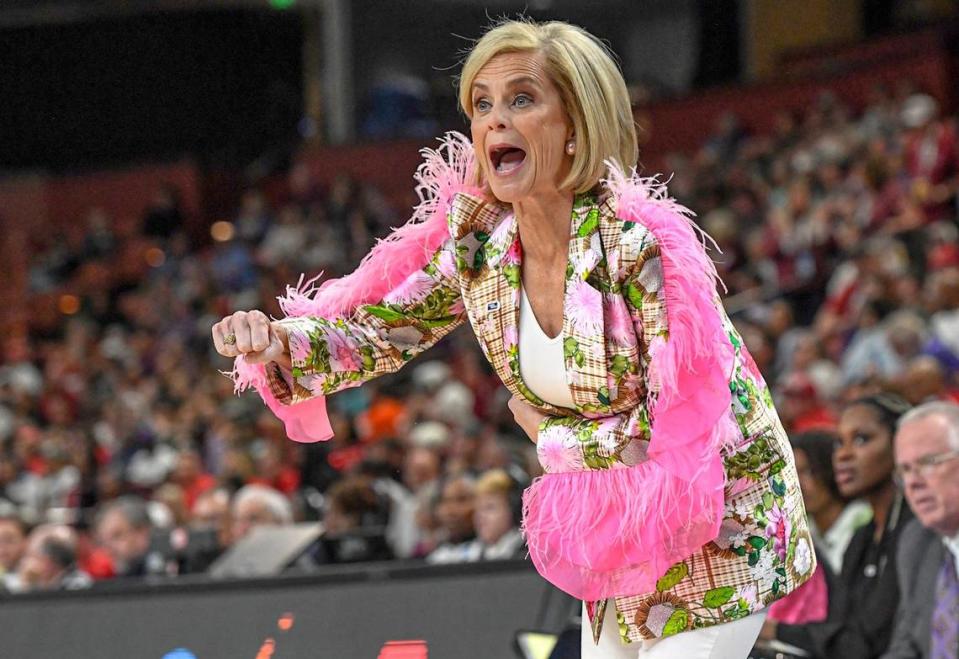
column 543, row 222
column 826, row 516
column 880, row 500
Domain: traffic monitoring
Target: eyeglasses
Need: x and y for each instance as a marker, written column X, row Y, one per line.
column 923, row 467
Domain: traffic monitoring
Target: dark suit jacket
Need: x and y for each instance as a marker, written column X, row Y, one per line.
column 919, row 559
column 862, row 599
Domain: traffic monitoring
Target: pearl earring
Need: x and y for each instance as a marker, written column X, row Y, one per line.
column 571, row 147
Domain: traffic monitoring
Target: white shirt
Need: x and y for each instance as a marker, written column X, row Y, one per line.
column 541, row 362
column 952, row 544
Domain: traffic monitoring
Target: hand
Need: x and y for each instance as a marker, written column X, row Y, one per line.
column 527, row 416
column 253, row 336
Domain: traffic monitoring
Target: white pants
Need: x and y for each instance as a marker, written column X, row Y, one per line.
column 730, row 640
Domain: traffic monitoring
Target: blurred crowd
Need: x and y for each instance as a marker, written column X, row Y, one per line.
column 124, row 452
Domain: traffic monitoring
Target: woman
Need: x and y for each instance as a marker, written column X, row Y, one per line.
column 833, row 519
column 863, row 601
column 497, row 517
column 669, row 485
column 832, row 523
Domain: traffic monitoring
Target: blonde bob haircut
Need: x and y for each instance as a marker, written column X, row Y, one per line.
column 590, row 85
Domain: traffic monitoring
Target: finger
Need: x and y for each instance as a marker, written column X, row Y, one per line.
column 259, row 330
column 221, row 330
column 241, row 328
column 271, row 353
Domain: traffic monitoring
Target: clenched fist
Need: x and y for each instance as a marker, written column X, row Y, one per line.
column 253, row 335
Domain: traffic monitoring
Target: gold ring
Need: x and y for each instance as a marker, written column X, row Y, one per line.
column 229, row 339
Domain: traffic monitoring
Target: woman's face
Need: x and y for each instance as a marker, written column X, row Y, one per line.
column 492, row 517
column 863, row 459
column 519, row 127
column 815, row 493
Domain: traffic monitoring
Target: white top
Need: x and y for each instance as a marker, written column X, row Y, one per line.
column 541, row 362
column 952, row 544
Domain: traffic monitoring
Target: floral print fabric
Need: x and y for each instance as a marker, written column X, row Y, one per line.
column 614, row 320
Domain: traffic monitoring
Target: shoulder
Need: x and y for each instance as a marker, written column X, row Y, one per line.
column 914, row 540
column 651, row 224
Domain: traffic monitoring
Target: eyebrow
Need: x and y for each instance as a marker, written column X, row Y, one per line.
column 513, row 82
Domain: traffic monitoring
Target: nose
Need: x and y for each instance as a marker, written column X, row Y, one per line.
column 498, row 118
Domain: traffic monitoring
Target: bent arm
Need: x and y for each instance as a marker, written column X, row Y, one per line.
column 329, row 354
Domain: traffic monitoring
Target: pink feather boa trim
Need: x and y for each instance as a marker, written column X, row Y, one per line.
column 605, row 533
column 445, row 170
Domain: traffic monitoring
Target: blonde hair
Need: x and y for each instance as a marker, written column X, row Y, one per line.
column 590, row 85
column 495, row 481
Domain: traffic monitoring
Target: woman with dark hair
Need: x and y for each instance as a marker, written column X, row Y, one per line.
column 833, row 519
column 862, row 605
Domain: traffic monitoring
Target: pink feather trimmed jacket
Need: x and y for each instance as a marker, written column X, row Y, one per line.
column 670, row 488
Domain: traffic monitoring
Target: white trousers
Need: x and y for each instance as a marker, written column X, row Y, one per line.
column 730, row 640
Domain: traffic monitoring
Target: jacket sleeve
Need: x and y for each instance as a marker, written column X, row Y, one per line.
column 330, row 354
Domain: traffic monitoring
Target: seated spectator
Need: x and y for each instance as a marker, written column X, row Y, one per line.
column 499, row 510
column 454, row 512
column 49, row 562
column 124, row 528
column 258, row 505
column 190, row 475
column 927, row 445
column 862, row 605
column 212, row 512
column 832, row 520
column 13, row 541
column 800, row 405
column 355, row 522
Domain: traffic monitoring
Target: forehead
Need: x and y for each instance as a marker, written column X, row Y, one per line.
column 502, row 68
column 858, row 416
column 922, row 436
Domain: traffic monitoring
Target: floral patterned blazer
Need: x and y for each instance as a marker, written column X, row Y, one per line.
column 685, row 513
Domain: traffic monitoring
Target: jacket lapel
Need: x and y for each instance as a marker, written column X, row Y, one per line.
column 584, row 344
column 494, row 301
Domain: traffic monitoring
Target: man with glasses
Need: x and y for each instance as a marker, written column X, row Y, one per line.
column 927, row 460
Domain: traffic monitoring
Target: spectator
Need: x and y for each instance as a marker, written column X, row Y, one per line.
column 191, row 477
column 454, row 512
column 255, row 506
column 355, row 522
column 832, row 520
column 862, row 605
column 497, row 517
column 926, row 443
column 13, row 536
column 124, row 528
column 49, row 562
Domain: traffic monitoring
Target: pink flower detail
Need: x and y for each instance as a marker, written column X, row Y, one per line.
column 413, row 289
column 513, row 254
column 749, row 593
column 558, row 450
column 509, row 337
column 619, row 324
column 457, row 307
column 342, row 350
column 778, row 527
column 446, row 264
column 299, row 345
column 585, row 305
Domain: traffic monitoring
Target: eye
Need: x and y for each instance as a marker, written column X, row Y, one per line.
column 860, row 439
column 481, row 104
column 522, row 100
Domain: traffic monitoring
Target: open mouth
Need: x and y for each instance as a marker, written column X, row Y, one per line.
column 506, row 158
